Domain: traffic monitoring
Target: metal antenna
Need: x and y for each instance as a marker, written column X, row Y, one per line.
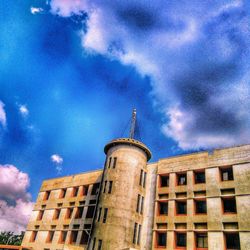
column 132, row 128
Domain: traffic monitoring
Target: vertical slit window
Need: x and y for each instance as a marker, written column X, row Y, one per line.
column 110, row 159
column 114, row 162
column 93, row 246
column 99, row 245
column 105, row 215
column 141, row 177
column 110, row 187
column 139, row 235
column 142, row 204
column 105, row 185
column 138, row 203
column 144, row 179
column 135, row 233
column 99, row 214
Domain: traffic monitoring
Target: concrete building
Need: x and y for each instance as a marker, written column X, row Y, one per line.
column 194, row 201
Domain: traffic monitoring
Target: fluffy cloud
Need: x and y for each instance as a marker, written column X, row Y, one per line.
column 2, row 114
column 15, row 203
column 196, row 54
column 58, row 160
column 23, row 110
column 35, row 10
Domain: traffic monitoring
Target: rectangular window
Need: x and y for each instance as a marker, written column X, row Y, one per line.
column 229, row 205
column 63, row 236
column 99, row 214
column 62, row 193
column 79, row 212
column 161, row 239
column 114, row 162
column 201, row 241
column 93, row 246
column 105, row 215
column 164, row 181
column 33, row 236
column 50, row 236
column 141, row 177
column 99, row 245
column 199, row 177
column 40, row 215
column 181, row 240
column 104, row 187
column 139, row 235
column 138, row 203
column 144, row 179
column 142, row 204
column 181, row 207
column 75, row 191
column 84, row 190
column 200, row 207
column 110, row 159
column 110, row 187
column 56, row 214
column 181, row 179
column 135, row 233
column 90, row 212
column 95, row 189
column 73, row 237
column 69, row 213
column 163, row 208
column 227, row 174
column 84, row 238
column 232, row 241
column 46, row 195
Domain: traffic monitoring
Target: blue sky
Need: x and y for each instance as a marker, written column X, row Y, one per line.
column 72, row 71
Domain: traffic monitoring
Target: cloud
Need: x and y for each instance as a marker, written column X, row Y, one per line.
column 58, row 160
column 3, row 120
column 15, row 201
column 23, row 110
column 35, row 10
column 196, row 55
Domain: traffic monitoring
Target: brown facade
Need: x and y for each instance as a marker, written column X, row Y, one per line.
column 195, row 201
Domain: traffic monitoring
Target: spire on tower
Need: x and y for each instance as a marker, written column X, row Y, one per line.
column 133, row 124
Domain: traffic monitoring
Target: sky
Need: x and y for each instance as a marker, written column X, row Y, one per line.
column 72, row 71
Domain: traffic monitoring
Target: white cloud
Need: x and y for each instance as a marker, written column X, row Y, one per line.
column 3, row 119
column 23, row 110
column 58, row 160
column 13, row 189
column 35, row 10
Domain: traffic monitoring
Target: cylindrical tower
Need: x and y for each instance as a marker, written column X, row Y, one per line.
column 119, row 215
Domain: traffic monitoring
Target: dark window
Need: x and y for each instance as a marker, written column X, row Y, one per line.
column 141, row 177
column 181, row 207
column 99, row 245
column 161, row 239
column 135, row 233
column 85, row 190
column 50, row 236
column 99, row 214
column 201, row 207
column 104, row 187
column 33, row 236
column 144, row 179
column 56, row 214
column 62, row 193
column 110, row 159
column 40, row 215
column 69, row 213
column 142, row 204
column 90, row 212
column 95, row 189
column 229, row 205
column 182, row 179
column 232, row 241
column 84, row 238
column 164, row 181
column 201, row 240
column 92, row 202
column 75, row 191
column 163, row 208
column 114, row 162
column 227, row 174
column 138, row 203
column 46, row 195
column 139, row 235
column 72, row 203
column 199, row 177
column 181, row 240
column 63, row 237
column 73, row 237
column 105, row 215
column 79, row 212
column 93, row 246
column 110, row 187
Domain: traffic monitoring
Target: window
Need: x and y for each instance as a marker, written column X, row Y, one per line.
column 79, row 212
column 33, row 236
column 105, row 215
column 110, row 159
column 110, row 187
column 93, row 246
column 46, row 195
column 181, row 207
column 200, row 207
column 163, row 208
column 227, row 174
column 84, row 190
column 138, row 203
column 72, row 203
column 201, row 241
column 63, row 236
column 161, row 239
column 142, row 204
column 199, row 177
column 81, row 203
column 62, row 193
column 104, row 187
column 73, row 237
column 50, row 236
column 139, row 235
column 164, row 181
column 141, row 177
column 69, row 213
column 181, row 240
column 99, row 214
column 232, row 241
column 144, row 179
column 92, row 202
column 114, row 162
column 40, row 215
column 84, row 238
column 95, row 189
column 90, row 212
column 181, row 179
column 135, row 233
column 59, row 204
column 99, row 245
column 75, row 191
column 229, row 205
column 56, row 214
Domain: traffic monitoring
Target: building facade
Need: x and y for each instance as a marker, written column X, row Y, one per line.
column 195, row 201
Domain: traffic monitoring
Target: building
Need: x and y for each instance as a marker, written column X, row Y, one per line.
column 195, row 201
